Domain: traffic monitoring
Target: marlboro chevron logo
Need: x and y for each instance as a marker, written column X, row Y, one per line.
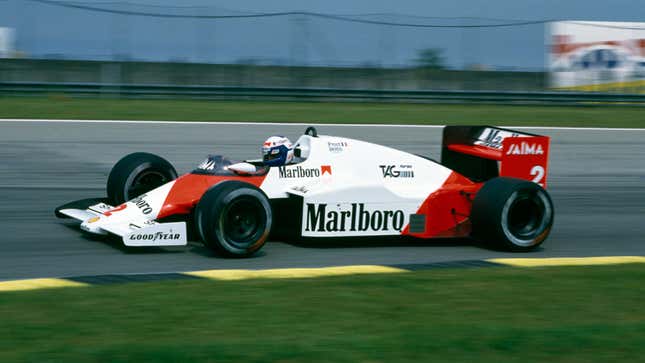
column 300, row 172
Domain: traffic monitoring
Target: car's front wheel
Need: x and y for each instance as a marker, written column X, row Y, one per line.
column 234, row 218
column 512, row 214
column 136, row 174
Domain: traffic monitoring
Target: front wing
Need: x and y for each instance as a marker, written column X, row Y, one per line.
column 93, row 219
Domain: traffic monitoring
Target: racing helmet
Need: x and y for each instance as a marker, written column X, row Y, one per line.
column 277, row 151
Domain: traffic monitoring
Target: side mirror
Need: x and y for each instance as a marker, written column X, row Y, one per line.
column 311, row 131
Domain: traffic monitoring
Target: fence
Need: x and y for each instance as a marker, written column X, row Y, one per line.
column 89, row 30
column 292, row 94
column 134, row 45
column 24, row 70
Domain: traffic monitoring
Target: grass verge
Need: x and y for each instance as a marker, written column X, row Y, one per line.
column 555, row 314
column 323, row 112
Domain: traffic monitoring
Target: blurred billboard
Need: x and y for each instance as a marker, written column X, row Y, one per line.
column 597, row 56
column 6, row 42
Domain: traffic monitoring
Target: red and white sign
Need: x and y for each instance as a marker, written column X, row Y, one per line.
column 592, row 53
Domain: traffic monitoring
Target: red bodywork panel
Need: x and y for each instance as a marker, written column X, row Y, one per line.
column 519, row 157
column 188, row 190
column 525, row 158
column 447, row 209
column 478, row 151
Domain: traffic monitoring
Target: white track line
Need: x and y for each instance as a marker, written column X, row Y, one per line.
column 305, row 124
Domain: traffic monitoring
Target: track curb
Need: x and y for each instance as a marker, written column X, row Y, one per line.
column 293, row 273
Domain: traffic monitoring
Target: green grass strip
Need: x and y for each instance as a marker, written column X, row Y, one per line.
column 321, row 112
column 554, row 314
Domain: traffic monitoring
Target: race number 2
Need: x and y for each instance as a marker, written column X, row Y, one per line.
column 525, row 158
column 537, row 172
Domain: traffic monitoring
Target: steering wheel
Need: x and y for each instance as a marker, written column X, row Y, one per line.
column 311, row 131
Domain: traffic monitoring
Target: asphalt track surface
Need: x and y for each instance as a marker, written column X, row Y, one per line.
column 596, row 179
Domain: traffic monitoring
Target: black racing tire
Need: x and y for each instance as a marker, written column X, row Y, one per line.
column 136, row 174
column 234, row 218
column 512, row 214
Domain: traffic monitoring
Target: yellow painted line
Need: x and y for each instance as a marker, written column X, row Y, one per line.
column 636, row 86
column 34, row 284
column 567, row 261
column 288, row 273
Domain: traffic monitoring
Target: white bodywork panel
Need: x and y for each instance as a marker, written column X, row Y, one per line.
column 349, row 188
column 130, row 222
column 158, row 234
column 345, row 181
column 356, row 163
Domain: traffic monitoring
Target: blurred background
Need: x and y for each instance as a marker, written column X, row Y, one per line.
column 463, row 45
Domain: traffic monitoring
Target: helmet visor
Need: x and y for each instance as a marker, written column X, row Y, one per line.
column 269, row 154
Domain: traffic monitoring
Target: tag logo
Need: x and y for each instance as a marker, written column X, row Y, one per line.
column 392, row 171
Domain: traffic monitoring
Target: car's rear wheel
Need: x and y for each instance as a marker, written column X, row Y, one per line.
column 136, row 174
column 512, row 214
column 234, row 218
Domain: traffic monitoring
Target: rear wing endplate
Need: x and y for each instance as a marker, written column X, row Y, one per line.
column 484, row 152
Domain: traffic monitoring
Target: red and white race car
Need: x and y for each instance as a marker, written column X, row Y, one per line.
column 489, row 186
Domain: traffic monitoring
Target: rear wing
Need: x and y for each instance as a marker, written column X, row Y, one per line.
column 484, row 152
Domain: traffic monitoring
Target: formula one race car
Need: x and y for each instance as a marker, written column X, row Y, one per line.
column 488, row 186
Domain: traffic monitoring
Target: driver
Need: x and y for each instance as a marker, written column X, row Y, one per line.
column 277, row 151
